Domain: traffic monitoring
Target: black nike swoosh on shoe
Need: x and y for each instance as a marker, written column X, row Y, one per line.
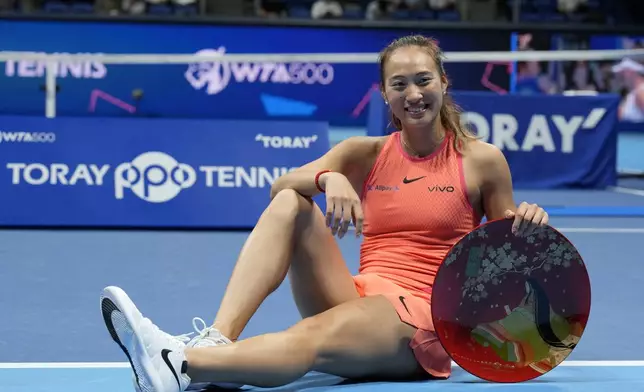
column 164, row 354
column 409, row 181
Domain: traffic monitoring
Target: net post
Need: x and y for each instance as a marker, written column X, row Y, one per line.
column 516, row 10
column 50, row 94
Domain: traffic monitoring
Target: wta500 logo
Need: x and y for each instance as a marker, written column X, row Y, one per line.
column 215, row 76
column 153, row 176
column 27, row 137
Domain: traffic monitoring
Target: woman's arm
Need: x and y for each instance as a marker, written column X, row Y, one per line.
column 498, row 195
column 352, row 157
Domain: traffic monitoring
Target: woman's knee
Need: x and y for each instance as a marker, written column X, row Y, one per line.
column 347, row 324
column 288, row 205
column 306, row 328
column 358, row 339
column 313, row 333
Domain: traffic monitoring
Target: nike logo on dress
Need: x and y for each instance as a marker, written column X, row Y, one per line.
column 409, row 181
column 402, row 299
column 164, row 354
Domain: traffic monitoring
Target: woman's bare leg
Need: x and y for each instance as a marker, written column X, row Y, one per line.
column 359, row 338
column 290, row 234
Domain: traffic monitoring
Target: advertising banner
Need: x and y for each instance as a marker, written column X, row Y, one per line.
column 549, row 141
column 256, row 90
column 146, row 173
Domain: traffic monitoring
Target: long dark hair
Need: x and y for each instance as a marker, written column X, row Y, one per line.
column 450, row 113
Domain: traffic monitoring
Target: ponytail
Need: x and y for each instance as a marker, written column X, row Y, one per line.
column 451, row 121
column 395, row 121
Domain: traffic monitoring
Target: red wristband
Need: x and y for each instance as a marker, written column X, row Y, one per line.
column 317, row 179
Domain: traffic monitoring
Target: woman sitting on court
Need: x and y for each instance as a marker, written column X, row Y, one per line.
column 411, row 195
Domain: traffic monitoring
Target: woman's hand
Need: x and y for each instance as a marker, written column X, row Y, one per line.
column 527, row 218
column 342, row 204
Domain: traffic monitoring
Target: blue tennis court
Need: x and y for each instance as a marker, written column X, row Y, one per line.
column 52, row 337
column 114, row 131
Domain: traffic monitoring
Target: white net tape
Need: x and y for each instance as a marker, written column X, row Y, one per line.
column 338, row 58
column 51, row 60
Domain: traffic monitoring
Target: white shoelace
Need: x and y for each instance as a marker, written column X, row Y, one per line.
column 204, row 332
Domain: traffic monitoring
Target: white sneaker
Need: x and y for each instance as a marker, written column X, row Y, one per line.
column 208, row 337
column 157, row 358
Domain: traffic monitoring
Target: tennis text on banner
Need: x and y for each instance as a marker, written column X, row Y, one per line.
column 71, row 69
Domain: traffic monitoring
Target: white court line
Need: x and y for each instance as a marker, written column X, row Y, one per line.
column 602, row 363
column 594, row 230
column 120, row 365
column 630, row 191
column 605, row 230
column 64, row 365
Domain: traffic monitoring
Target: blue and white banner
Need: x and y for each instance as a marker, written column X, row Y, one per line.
column 258, row 90
column 549, row 141
column 146, row 173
